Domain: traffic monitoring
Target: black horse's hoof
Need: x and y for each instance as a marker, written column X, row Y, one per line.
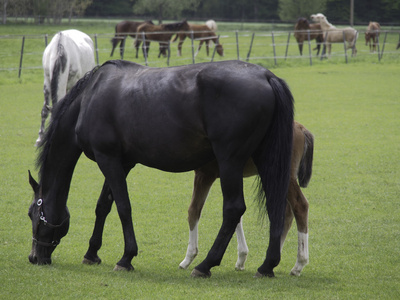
column 197, row 274
column 259, row 275
column 121, row 268
column 95, row 261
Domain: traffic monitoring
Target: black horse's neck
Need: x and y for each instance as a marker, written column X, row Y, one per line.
column 59, row 155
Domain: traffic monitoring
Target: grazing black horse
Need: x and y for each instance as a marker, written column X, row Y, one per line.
column 173, row 119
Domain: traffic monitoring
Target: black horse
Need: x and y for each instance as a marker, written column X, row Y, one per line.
column 173, row 119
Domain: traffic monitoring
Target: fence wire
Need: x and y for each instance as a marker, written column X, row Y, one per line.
column 24, row 52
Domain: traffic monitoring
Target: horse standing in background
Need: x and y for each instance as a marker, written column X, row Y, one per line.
column 202, row 33
column 301, row 34
column 333, row 34
column 122, row 30
column 297, row 206
column 66, row 59
column 158, row 33
column 372, row 33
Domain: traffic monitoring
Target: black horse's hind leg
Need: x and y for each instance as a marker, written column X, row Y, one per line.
column 103, row 208
column 233, row 208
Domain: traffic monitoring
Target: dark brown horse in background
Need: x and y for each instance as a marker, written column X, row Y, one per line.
column 372, row 33
column 158, row 33
column 122, row 30
column 200, row 32
column 301, row 34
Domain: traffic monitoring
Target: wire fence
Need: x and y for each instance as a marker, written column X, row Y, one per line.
column 24, row 52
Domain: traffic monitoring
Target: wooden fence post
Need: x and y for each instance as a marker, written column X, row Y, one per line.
column 344, row 45
column 383, row 46
column 324, row 46
column 309, row 46
column 287, row 44
column 192, row 39
column 251, row 46
column 22, row 55
column 96, row 49
column 273, row 46
column 215, row 48
column 237, row 45
column 144, row 47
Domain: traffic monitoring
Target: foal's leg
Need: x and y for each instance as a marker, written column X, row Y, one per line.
column 243, row 250
column 299, row 206
column 203, row 181
column 103, row 208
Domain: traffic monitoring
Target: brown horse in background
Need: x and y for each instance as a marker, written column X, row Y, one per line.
column 158, row 33
column 301, row 35
column 203, row 33
column 122, row 30
column 372, row 33
column 297, row 204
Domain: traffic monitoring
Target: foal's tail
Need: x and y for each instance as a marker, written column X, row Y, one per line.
column 274, row 157
column 305, row 168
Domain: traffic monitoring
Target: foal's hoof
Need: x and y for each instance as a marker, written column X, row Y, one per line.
column 259, row 275
column 198, row 274
column 121, row 268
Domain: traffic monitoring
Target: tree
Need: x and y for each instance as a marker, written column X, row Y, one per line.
column 290, row 10
column 110, row 8
column 4, row 16
column 165, row 8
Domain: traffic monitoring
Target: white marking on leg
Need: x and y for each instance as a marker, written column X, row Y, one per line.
column 192, row 249
column 302, row 254
column 243, row 250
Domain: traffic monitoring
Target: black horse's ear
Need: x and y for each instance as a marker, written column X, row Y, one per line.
column 33, row 183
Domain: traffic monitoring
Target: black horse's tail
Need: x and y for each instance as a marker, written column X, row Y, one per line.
column 305, row 169
column 60, row 65
column 274, row 157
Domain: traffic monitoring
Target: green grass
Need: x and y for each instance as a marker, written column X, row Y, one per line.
column 353, row 111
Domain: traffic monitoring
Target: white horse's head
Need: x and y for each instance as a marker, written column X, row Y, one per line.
column 318, row 18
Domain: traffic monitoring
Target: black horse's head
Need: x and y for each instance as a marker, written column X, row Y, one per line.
column 45, row 236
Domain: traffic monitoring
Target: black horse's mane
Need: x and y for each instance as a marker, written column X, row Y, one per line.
column 58, row 111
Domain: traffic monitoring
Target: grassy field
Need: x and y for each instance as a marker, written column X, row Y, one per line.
column 353, row 111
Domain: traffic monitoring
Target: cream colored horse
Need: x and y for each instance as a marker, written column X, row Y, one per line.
column 333, row 34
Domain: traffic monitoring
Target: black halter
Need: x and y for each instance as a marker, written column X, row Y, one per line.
column 42, row 220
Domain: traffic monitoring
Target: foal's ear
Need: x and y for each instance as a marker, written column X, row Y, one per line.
column 33, row 183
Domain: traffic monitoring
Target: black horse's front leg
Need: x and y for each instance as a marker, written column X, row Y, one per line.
column 103, row 208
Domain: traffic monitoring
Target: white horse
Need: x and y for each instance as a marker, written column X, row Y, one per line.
column 333, row 34
column 66, row 59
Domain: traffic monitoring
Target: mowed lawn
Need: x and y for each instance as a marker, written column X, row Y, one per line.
column 353, row 111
